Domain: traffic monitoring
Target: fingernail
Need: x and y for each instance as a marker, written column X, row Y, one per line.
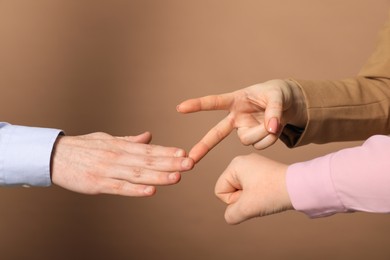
column 149, row 190
column 186, row 163
column 180, row 153
column 273, row 125
column 178, row 108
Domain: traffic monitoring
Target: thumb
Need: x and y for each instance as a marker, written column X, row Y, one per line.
column 273, row 114
column 246, row 207
column 234, row 213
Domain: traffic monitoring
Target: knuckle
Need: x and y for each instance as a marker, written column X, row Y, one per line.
column 244, row 139
column 276, row 105
column 219, row 134
column 137, row 172
column 118, row 187
column 259, row 146
column 149, row 149
column 101, row 135
column 238, row 159
column 231, row 120
column 113, row 187
column 111, row 155
column 242, row 159
column 149, row 161
column 251, row 156
column 217, row 101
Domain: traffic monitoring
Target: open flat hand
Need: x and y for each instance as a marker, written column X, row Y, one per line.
column 130, row 166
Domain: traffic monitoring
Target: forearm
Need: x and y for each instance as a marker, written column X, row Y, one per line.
column 354, row 179
column 345, row 110
column 350, row 109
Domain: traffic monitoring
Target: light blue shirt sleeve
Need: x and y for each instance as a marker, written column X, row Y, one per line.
column 25, row 154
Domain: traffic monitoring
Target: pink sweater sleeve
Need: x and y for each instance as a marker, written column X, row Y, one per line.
column 353, row 179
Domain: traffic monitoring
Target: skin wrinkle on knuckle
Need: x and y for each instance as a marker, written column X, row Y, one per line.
column 229, row 198
column 217, row 102
column 204, row 145
column 277, row 100
column 149, row 149
column 219, row 134
column 149, row 161
column 117, row 187
column 138, row 172
column 231, row 117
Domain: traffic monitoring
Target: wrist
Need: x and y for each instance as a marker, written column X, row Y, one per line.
column 285, row 197
column 57, row 164
column 298, row 113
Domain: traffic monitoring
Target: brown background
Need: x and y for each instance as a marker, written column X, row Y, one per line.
column 122, row 67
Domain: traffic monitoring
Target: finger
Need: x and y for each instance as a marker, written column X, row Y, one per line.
column 267, row 141
column 225, row 190
column 252, row 135
column 273, row 114
column 152, row 150
column 138, row 175
column 212, row 138
column 228, row 197
column 236, row 212
column 124, row 188
column 213, row 102
column 159, row 163
column 143, row 138
column 228, row 187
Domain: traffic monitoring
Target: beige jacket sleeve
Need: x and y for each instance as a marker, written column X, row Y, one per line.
column 349, row 109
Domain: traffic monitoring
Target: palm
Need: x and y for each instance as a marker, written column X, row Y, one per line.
column 246, row 112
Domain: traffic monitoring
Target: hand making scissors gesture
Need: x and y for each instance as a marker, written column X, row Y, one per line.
column 258, row 112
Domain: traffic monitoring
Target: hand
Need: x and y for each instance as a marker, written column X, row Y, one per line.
column 258, row 112
column 99, row 163
column 253, row 186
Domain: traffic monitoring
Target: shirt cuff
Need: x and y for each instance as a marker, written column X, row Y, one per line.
column 25, row 155
column 311, row 189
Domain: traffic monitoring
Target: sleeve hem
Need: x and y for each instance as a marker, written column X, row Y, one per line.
column 311, row 188
column 26, row 153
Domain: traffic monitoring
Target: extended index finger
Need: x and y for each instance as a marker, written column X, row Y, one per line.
column 212, row 102
column 212, row 138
